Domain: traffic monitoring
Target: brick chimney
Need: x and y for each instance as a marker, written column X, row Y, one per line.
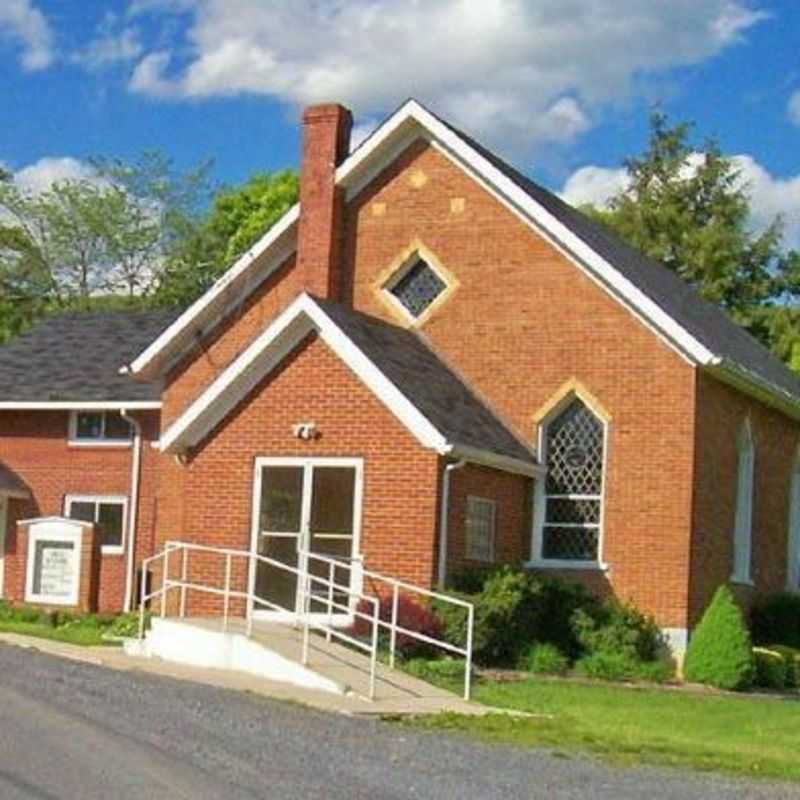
column 326, row 142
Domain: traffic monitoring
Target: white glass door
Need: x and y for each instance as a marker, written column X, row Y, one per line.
column 305, row 505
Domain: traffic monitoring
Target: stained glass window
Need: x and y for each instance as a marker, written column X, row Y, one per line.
column 418, row 288
column 480, row 529
column 574, row 485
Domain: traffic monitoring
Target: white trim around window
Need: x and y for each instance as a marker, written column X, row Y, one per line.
column 480, row 529
column 538, row 559
column 75, row 440
column 743, row 519
column 98, row 500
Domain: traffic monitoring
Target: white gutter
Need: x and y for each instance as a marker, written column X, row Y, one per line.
column 452, row 467
column 79, row 405
column 133, row 506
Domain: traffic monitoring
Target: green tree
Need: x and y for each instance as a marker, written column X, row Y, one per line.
column 238, row 218
column 91, row 241
column 687, row 207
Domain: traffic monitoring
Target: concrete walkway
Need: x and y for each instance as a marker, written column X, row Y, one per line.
column 397, row 693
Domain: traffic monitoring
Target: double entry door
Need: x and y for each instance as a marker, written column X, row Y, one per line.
column 305, row 505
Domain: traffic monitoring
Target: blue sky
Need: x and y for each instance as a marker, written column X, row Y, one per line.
column 561, row 87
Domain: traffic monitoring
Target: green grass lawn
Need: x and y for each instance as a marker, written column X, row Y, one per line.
column 76, row 633
column 744, row 735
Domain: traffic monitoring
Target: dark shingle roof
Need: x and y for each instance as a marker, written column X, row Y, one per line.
column 706, row 322
column 78, row 357
column 428, row 383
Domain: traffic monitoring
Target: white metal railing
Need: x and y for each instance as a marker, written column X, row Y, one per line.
column 307, row 582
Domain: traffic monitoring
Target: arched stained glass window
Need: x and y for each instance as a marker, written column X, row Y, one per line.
column 574, row 442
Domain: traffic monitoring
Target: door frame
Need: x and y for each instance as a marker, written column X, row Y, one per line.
column 307, row 463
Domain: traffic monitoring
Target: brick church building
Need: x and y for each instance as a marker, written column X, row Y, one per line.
column 431, row 362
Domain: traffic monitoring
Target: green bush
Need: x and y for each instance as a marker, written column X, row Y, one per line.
column 720, row 652
column 472, row 579
column 514, row 610
column 546, row 659
column 618, row 628
column 126, row 626
column 776, row 620
column 618, row 666
column 792, row 658
column 771, row 668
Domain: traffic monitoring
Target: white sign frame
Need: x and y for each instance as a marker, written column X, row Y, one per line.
column 54, row 530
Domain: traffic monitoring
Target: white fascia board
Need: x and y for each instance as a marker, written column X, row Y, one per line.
column 486, row 458
column 15, row 494
column 282, row 335
column 585, row 257
column 78, row 405
column 156, row 349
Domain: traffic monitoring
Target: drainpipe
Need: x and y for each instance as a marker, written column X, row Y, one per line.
column 452, row 467
column 136, row 462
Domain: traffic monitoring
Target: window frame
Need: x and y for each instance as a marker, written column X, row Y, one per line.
column 76, row 441
column 492, row 504
column 744, row 502
column 97, row 499
column 399, row 271
column 537, row 559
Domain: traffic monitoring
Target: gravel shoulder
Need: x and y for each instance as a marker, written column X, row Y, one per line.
column 71, row 729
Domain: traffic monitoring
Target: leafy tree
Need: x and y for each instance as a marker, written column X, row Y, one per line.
column 238, row 218
column 688, row 208
column 81, row 240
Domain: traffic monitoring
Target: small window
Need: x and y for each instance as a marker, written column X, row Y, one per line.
column 99, row 427
column 417, row 288
column 480, row 529
column 107, row 514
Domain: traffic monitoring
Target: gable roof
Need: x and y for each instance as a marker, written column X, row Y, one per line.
column 699, row 331
column 73, row 359
column 11, row 485
column 394, row 363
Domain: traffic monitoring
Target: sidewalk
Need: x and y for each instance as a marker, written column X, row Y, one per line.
column 426, row 699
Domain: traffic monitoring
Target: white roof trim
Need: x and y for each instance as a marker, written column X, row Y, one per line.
column 301, row 317
column 150, row 355
column 533, row 212
column 77, row 405
column 15, row 494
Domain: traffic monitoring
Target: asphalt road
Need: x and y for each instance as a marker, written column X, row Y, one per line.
column 73, row 730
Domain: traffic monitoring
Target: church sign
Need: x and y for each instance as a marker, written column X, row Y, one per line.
column 54, row 558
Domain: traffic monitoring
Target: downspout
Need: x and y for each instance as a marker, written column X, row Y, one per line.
column 136, row 462
column 443, row 520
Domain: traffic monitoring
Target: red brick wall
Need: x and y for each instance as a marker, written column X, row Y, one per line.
column 400, row 477
column 200, row 366
column 35, row 446
column 511, row 494
column 721, row 410
column 522, row 322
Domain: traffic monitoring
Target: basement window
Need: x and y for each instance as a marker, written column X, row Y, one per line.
column 417, row 287
column 99, row 428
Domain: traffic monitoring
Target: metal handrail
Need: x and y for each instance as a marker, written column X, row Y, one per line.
column 305, row 581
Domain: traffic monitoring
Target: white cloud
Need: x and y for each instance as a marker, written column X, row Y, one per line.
column 42, row 174
column 520, row 71
column 22, row 21
column 793, row 108
column 770, row 195
column 113, row 44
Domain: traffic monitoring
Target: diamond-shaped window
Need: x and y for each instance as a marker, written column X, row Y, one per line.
column 418, row 287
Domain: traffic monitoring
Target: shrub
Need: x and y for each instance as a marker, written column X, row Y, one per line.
column 126, row 626
column 619, row 666
column 618, row 628
column 471, row 580
column 546, row 659
column 720, row 652
column 776, row 620
column 514, row 610
column 791, row 656
column 770, row 668
column 411, row 615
